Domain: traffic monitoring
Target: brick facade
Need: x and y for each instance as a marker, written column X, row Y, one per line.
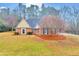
column 19, row 30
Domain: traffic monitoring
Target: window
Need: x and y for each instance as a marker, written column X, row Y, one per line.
column 23, row 31
column 45, row 31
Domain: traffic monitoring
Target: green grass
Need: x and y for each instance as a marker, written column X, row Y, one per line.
column 31, row 45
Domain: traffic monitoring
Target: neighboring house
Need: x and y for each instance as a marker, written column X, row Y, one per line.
column 23, row 27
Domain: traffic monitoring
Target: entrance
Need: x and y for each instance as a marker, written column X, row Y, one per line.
column 23, row 31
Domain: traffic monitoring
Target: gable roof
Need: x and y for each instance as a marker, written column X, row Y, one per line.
column 23, row 24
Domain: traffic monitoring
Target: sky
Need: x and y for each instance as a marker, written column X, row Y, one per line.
column 56, row 5
column 59, row 5
column 9, row 5
column 14, row 5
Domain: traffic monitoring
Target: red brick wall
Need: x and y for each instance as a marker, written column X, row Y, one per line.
column 49, row 31
column 28, row 30
column 18, row 30
column 39, row 31
column 35, row 31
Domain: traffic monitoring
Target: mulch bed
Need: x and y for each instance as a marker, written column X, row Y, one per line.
column 52, row 37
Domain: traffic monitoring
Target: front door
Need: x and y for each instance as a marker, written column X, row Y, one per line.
column 23, row 31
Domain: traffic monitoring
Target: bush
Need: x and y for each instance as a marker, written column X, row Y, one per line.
column 29, row 33
column 3, row 28
column 16, row 33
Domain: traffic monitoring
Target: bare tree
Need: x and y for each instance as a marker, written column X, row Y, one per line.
column 11, row 21
column 71, row 15
column 52, row 22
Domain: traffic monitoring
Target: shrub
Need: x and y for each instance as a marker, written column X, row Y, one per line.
column 29, row 33
column 16, row 33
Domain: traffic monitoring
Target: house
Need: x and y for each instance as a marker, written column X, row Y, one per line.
column 48, row 25
column 23, row 27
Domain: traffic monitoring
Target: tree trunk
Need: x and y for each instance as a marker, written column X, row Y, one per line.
column 12, row 28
